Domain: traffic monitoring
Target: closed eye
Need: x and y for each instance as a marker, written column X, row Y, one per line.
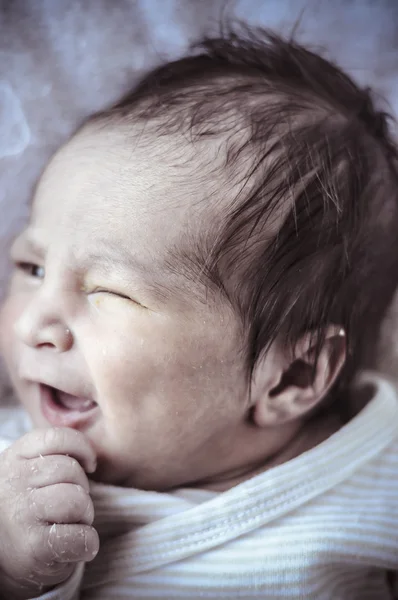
column 31, row 269
column 112, row 293
column 118, row 295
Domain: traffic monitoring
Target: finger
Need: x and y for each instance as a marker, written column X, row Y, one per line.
column 50, row 574
column 61, row 503
column 65, row 543
column 50, row 470
column 57, row 440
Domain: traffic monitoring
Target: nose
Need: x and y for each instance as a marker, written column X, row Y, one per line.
column 40, row 326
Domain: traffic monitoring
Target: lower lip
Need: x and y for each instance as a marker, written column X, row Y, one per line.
column 59, row 416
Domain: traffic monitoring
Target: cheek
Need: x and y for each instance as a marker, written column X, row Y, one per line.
column 163, row 368
column 9, row 314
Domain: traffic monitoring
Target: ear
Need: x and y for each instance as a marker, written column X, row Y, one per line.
column 285, row 388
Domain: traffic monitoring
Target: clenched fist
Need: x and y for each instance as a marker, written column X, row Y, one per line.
column 46, row 511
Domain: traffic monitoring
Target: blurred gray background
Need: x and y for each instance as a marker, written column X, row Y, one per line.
column 60, row 60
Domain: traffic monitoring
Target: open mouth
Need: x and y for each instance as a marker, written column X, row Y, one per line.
column 68, row 402
column 65, row 410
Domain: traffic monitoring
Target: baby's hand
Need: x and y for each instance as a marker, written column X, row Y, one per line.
column 45, row 511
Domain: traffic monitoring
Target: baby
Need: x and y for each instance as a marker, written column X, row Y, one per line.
column 193, row 306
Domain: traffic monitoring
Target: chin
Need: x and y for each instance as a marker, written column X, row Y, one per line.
column 106, row 472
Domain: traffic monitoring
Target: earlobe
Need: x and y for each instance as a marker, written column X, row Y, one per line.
column 297, row 385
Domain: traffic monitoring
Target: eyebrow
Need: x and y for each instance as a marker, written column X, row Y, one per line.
column 28, row 244
column 162, row 278
column 107, row 252
column 111, row 255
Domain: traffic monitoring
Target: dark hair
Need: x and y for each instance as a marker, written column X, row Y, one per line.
column 315, row 156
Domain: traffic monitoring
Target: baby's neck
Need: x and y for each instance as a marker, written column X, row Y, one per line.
column 310, row 434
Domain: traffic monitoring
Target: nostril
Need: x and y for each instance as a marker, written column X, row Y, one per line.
column 54, row 336
column 43, row 331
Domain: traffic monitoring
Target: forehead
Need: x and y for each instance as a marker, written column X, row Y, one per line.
column 117, row 169
column 150, row 197
column 119, row 181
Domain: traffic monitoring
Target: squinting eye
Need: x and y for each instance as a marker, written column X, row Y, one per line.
column 31, row 269
column 117, row 294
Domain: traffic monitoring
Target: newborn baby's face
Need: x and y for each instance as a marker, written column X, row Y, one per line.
column 106, row 331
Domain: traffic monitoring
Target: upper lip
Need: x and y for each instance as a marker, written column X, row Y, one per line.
column 62, row 377
column 66, row 389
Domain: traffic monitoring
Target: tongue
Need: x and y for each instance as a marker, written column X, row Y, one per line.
column 73, row 402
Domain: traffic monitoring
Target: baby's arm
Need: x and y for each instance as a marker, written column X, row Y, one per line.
column 46, row 514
